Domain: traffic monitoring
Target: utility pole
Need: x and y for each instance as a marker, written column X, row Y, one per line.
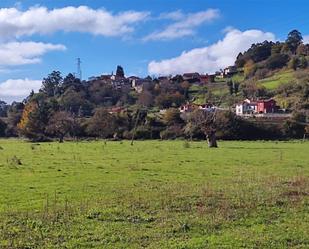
column 79, row 69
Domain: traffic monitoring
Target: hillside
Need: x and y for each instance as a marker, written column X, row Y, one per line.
column 278, row 78
column 121, row 107
column 274, row 85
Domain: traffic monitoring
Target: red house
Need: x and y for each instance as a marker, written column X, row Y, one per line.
column 206, row 78
column 266, row 106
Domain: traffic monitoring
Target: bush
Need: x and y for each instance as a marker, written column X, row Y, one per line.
column 253, row 130
column 277, row 61
column 143, row 132
column 127, row 135
column 2, row 128
column 292, row 129
column 261, row 73
column 192, row 132
column 172, row 132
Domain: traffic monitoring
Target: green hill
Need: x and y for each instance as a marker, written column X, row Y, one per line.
column 281, row 77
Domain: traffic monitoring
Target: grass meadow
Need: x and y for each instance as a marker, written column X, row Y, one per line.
column 155, row 194
column 279, row 78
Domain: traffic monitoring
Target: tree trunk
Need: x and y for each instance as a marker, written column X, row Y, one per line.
column 212, row 140
column 61, row 139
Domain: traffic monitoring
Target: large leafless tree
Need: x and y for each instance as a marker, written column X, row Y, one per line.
column 60, row 124
column 206, row 122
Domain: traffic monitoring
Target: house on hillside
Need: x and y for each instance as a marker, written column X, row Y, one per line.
column 219, row 74
column 207, row 78
column 207, row 107
column 164, row 78
column 121, row 83
column 246, row 107
column 139, row 84
column 116, row 77
column 105, row 76
column 191, row 77
column 131, row 78
column 229, row 71
column 266, row 106
column 136, row 83
column 94, row 78
column 190, row 107
column 116, row 109
column 255, row 107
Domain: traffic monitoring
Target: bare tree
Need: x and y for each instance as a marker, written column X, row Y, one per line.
column 60, row 124
column 206, row 122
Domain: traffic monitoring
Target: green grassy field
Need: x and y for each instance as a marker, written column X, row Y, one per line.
column 279, row 78
column 199, row 93
column 155, row 194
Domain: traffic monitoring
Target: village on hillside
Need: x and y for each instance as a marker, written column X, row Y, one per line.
column 159, row 124
column 258, row 107
column 263, row 95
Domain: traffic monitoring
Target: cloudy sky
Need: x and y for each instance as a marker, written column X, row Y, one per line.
column 153, row 37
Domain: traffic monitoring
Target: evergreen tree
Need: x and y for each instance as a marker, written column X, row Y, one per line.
column 120, row 71
column 294, row 40
column 51, row 84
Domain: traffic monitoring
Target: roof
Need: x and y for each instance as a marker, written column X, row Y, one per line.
column 265, row 100
column 247, row 101
column 191, row 74
column 134, row 78
column 251, row 102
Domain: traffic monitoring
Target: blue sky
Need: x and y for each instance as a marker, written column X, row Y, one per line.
column 146, row 37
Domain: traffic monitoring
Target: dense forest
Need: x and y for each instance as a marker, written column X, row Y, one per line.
column 66, row 107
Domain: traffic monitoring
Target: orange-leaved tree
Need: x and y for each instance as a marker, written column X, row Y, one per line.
column 30, row 124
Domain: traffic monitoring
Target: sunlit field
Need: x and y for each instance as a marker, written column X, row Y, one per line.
column 154, row 194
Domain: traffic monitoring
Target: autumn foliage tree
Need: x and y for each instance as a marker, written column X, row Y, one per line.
column 31, row 125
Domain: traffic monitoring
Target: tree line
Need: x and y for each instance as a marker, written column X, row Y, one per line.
column 66, row 107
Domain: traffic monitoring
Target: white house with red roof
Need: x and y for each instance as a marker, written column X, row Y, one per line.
column 256, row 107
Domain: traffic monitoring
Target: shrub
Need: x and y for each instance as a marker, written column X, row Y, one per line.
column 143, row 132
column 261, row 73
column 2, row 128
column 172, row 132
column 277, row 61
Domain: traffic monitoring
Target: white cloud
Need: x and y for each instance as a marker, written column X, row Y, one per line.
column 184, row 26
column 17, row 89
column 40, row 20
column 306, row 39
column 174, row 15
column 21, row 53
column 211, row 58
